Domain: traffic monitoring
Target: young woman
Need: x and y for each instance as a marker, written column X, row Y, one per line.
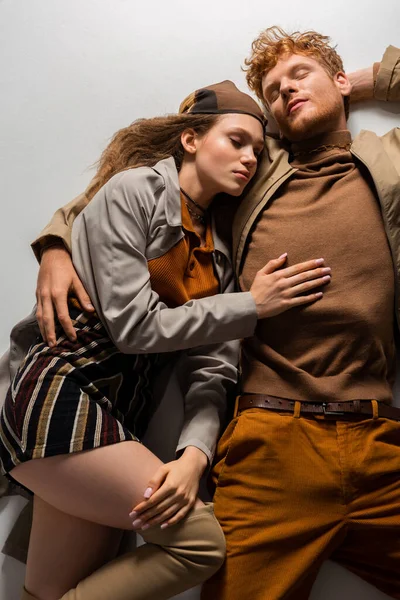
column 150, row 256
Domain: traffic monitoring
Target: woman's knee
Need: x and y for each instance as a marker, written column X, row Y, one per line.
column 197, row 542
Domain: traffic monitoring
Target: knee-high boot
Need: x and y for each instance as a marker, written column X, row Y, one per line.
column 172, row 560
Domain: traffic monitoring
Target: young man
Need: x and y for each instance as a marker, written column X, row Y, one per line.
column 309, row 468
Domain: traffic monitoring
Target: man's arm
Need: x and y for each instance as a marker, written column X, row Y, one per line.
column 362, row 84
column 57, row 277
column 387, row 85
column 381, row 81
column 58, row 231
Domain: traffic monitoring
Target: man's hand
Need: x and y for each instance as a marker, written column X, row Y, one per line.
column 58, row 278
column 172, row 491
column 362, row 85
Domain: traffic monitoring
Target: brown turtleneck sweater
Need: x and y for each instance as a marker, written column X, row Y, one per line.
column 340, row 347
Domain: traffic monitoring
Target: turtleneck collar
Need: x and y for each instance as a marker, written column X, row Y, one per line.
column 320, row 146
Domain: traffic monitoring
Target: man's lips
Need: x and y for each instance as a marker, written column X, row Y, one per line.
column 295, row 104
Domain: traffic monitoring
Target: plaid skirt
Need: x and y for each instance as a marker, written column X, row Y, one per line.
column 75, row 396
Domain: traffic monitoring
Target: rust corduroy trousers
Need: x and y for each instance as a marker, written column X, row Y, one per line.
column 294, row 491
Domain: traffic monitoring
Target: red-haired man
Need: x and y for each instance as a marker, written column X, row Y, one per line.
column 309, row 468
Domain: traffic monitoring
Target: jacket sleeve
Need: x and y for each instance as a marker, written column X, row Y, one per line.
column 387, row 84
column 208, row 377
column 60, row 226
column 109, row 242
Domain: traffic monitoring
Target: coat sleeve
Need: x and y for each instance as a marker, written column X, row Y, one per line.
column 109, row 252
column 387, row 84
column 208, row 377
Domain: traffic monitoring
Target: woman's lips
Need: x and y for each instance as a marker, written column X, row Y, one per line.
column 241, row 176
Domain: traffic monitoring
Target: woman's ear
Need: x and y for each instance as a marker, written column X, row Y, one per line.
column 189, row 141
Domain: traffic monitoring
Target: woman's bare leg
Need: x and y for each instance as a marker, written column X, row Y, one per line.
column 102, row 486
column 63, row 550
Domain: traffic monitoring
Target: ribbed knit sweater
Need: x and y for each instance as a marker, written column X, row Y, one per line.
column 340, row 347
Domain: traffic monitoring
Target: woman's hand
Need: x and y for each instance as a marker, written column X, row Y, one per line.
column 171, row 492
column 276, row 290
column 58, row 278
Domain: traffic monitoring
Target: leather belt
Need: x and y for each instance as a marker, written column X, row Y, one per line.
column 335, row 410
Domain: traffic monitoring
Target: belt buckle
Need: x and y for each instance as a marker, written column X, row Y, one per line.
column 331, row 413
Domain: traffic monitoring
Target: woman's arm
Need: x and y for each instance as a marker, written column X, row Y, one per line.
column 109, row 244
column 207, row 377
column 110, row 241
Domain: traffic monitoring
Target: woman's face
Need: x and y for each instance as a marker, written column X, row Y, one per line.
column 226, row 156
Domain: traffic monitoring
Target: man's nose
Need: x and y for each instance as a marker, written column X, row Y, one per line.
column 288, row 86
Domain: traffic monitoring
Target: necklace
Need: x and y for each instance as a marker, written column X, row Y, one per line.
column 322, row 148
column 201, row 218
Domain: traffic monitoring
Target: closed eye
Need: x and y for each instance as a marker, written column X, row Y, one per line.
column 273, row 96
column 301, row 73
column 236, row 143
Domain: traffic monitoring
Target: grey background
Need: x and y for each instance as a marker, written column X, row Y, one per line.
column 72, row 73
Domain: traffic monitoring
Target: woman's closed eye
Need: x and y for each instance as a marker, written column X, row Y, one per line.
column 237, row 143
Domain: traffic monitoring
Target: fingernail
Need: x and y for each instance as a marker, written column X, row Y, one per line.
column 133, row 514
column 145, row 527
column 137, row 523
column 90, row 306
column 327, row 278
column 164, row 526
column 282, row 255
column 326, row 270
column 319, row 261
column 148, row 492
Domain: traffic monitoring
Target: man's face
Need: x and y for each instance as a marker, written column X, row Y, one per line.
column 303, row 98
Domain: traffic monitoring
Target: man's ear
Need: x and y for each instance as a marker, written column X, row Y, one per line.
column 189, row 141
column 343, row 83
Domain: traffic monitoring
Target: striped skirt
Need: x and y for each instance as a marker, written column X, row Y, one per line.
column 75, row 396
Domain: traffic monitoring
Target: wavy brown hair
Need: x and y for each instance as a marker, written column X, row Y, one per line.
column 274, row 42
column 145, row 142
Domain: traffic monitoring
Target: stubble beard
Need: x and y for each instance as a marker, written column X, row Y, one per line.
column 324, row 118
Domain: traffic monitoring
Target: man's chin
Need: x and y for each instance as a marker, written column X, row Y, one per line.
column 303, row 130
